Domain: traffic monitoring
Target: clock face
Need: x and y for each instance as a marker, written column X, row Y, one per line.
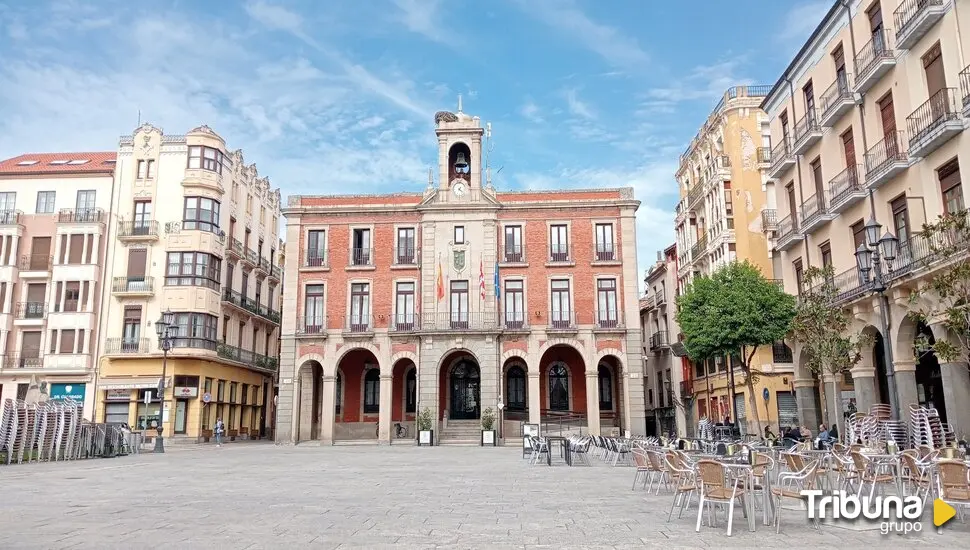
column 459, row 189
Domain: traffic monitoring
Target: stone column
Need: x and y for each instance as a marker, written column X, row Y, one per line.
column 13, row 250
column 84, row 249
column 384, row 413
column 905, row 386
column 592, row 403
column 303, row 407
column 329, row 410
column 4, row 251
column 808, row 413
column 864, row 381
column 956, row 388
column 535, row 397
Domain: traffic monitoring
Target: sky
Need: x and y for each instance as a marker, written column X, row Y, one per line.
column 338, row 96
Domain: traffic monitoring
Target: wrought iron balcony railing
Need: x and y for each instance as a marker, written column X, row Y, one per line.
column 407, row 255
column 937, row 110
column 658, row 340
column 876, row 50
column 10, row 217
column 845, row 183
column 317, row 258
column 27, row 359
column 312, row 325
column 840, row 90
column 31, row 310
column 235, row 247
column 405, row 322
column 81, row 215
column 36, row 262
column 362, row 256
column 358, row 323
column 886, row 151
column 769, row 219
column 512, row 253
column 127, row 345
column 137, row 229
column 764, row 155
column 965, row 86
column 607, row 319
column 515, row 320
column 605, row 252
column 558, row 253
column 562, row 320
column 459, row 320
column 133, row 284
column 247, row 357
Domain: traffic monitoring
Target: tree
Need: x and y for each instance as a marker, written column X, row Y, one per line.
column 945, row 297
column 828, row 344
column 733, row 312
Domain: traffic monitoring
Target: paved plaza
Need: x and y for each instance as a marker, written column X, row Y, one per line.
column 264, row 496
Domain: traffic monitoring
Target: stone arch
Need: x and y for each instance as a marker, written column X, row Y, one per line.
column 403, row 355
column 905, row 336
column 514, row 389
column 353, row 347
column 303, row 359
column 449, row 361
column 802, row 372
column 571, row 342
column 309, row 400
column 569, row 353
column 403, row 366
column 617, row 356
column 612, row 365
column 515, row 353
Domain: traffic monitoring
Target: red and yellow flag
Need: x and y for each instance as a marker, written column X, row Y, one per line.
column 441, row 282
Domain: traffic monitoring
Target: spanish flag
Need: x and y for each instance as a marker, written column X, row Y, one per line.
column 441, row 282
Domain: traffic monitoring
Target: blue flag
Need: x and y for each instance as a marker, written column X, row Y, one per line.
column 498, row 291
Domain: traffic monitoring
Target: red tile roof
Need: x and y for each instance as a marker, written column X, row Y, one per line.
column 101, row 162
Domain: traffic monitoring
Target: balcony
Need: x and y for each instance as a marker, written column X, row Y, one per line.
column 404, row 323
column 608, row 321
column 241, row 302
column 23, row 360
column 562, row 321
column 606, row 252
column 658, row 340
column 31, row 310
column 965, row 90
column 808, row 132
column 769, row 220
column 559, row 253
column 137, row 231
column 317, row 258
column 718, row 169
column 127, row 346
column 934, row 122
column 846, row 189
column 837, row 100
column 405, row 256
column 181, row 343
column 764, row 157
column 312, row 327
column 234, row 247
column 460, row 321
column 915, row 17
column 815, row 212
column 697, row 250
column 133, row 286
column 249, row 358
column 81, row 215
column 694, row 194
column 10, row 217
column 357, row 324
column 885, row 159
column 781, row 158
column 362, row 257
column 275, row 272
column 788, row 234
column 874, row 60
column 513, row 321
column 512, row 254
column 35, row 265
column 250, row 258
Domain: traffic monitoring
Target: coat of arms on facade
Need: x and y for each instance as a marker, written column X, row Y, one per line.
column 459, row 260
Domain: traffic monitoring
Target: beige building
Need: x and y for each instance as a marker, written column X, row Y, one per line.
column 868, row 122
column 719, row 220
column 197, row 235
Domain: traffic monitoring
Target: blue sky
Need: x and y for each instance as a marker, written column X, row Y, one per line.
column 338, row 96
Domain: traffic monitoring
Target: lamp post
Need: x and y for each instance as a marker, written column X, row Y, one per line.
column 501, row 407
column 163, row 327
column 869, row 260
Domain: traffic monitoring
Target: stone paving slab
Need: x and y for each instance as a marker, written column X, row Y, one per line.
column 263, row 496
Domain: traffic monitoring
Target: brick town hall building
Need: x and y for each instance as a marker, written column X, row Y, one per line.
column 390, row 306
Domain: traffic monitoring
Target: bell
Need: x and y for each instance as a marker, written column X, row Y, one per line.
column 460, row 162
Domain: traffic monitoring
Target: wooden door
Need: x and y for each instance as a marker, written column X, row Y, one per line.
column 887, row 113
column 40, row 252
column 935, row 83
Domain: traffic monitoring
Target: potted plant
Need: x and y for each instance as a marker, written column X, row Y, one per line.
column 488, row 427
column 425, row 428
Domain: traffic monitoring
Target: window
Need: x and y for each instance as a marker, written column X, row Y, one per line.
column 339, row 393
column 316, row 251
column 561, row 311
column 372, row 391
column 951, row 187
column 558, row 243
column 858, row 235
column 799, row 274
column 232, row 392
column 359, row 307
column 86, row 200
column 809, row 92
column 361, row 253
column 513, row 243
column 459, row 304
column 143, row 217
column 404, row 307
column 819, row 187
column 8, row 201
column 411, row 391
column 406, row 251
column 825, row 251
column 515, row 389
column 45, row 202
column 131, row 331
column 606, row 388
column 558, row 387
column 459, row 234
column 514, row 304
column 900, row 218
column 728, row 203
column 193, row 269
column 196, row 330
column 146, row 169
column 205, row 158
column 201, row 214
column 148, row 415
column 604, row 242
column 606, row 300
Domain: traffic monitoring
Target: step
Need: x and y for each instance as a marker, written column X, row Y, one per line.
column 459, row 442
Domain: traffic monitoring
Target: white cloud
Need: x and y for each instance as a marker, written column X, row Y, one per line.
column 531, row 112
column 421, row 17
column 800, row 21
column 577, row 106
column 702, row 82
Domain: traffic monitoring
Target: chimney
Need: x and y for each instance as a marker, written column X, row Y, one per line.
column 659, row 256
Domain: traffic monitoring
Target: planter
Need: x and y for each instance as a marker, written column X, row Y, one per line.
column 488, row 438
column 425, row 438
column 206, row 435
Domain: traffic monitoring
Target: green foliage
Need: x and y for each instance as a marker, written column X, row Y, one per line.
column 425, row 420
column 732, row 312
column 488, row 419
column 945, row 298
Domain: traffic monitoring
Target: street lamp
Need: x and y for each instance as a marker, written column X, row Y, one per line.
column 163, row 328
column 869, row 260
column 501, row 407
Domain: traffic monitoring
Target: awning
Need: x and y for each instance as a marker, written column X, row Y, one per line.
column 136, row 383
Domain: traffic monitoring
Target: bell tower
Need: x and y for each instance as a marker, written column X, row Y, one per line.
column 459, row 148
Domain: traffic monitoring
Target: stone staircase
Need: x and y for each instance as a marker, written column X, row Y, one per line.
column 461, row 432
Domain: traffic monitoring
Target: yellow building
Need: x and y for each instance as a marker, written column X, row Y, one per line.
column 719, row 220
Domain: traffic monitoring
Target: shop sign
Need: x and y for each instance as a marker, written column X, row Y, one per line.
column 117, row 395
column 185, row 391
column 59, row 392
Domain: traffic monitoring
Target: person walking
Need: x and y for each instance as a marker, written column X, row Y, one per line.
column 220, row 429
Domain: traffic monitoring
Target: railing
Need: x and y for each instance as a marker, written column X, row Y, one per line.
column 695, row 193
column 658, row 339
column 787, row 226
column 558, row 253
column 920, row 250
column 406, row 255
column 781, row 353
column 247, row 357
column 814, row 206
column 362, row 256
column 358, row 323
column 562, row 320
column 252, row 257
column 608, row 319
column 965, row 86
column 515, row 320
column 405, row 322
column 806, row 125
column 938, row 109
column 459, row 320
column 312, row 326
column 81, row 215
column 781, row 152
column 23, row 360
column 838, row 91
column 905, row 14
column 513, row 253
column 191, row 342
column 316, row 258
column 133, row 284
column 36, row 262
column 235, row 246
column 561, row 422
column 127, row 345
column 138, row 229
column 769, row 219
column 845, row 183
column 10, row 217
column 764, row 155
column 872, row 53
column 31, row 310
column 275, row 271
column 886, row 151
column 605, row 252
